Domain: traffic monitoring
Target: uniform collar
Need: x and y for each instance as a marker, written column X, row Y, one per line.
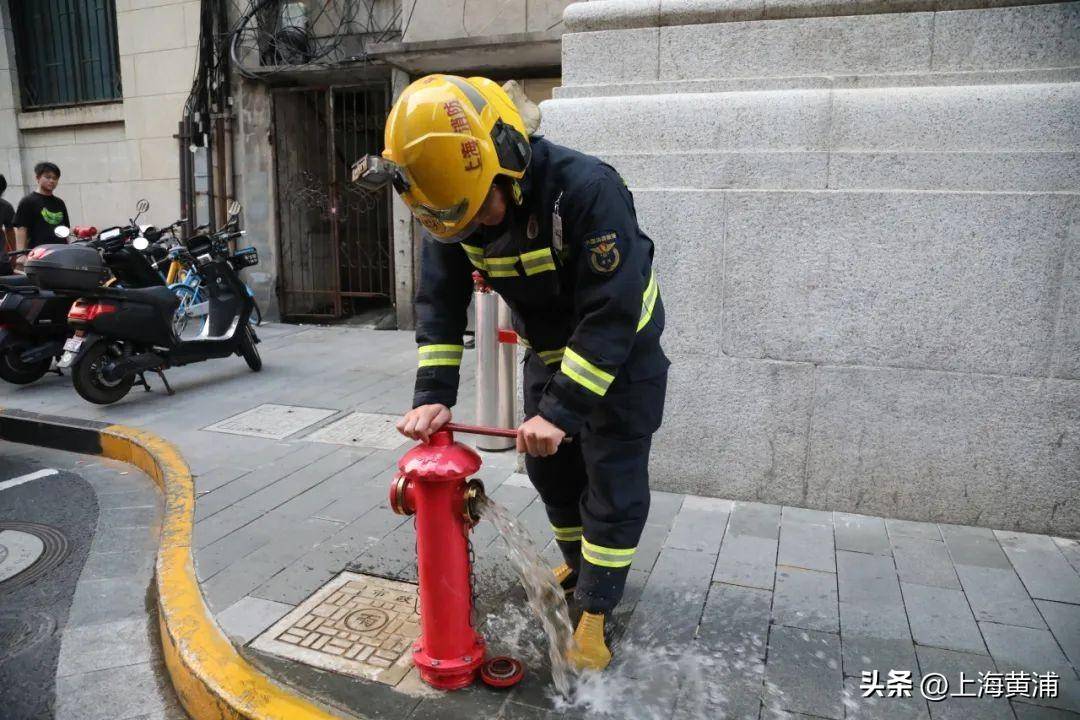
column 536, row 169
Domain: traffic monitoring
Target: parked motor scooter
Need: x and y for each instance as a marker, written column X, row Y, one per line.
column 120, row 332
column 33, row 324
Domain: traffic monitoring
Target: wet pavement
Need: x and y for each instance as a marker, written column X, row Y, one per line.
column 78, row 627
column 733, row 609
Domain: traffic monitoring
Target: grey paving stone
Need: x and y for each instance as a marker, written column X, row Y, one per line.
column 127, row 539
column 756, row 520
column 247, row 617
column 910, row 528
column 126, row 563
column 535, row 521
column 1046, row 573
column 663, row 507
column 941, row 617
column 1025, row 711
column 87, row 648
column 807, row 546
column 867, row 579
column 924, row 562
column 997, row 595
column 109, row 599
column 736, row 620
column 649, row 546
column 951, row 664
column 1071, row 550
column 476, row 701
column 802, row 672
column 974, row 546
column 747, row 560
column 143, row 516
column 862, row 652
column 805, row 515
column 228, row 495
column 719, row 683
column 1064, row 622
column 700, row 525
column 874, row 707
column 213, row 479
column 860, row 533
column 806, row 599
column 142, row 497
column 1017, row 648
column 249, row 572
column 670, row 606
column 112, row 693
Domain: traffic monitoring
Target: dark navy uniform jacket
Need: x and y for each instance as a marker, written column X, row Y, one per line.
column 575, row 269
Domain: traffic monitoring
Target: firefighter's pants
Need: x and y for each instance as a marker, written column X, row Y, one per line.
column 596, row 487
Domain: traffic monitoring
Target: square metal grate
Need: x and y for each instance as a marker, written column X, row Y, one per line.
column 370, row 430
column 276, row 422
column 355, row 625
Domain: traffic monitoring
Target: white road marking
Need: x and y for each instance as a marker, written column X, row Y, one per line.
column 45, row 472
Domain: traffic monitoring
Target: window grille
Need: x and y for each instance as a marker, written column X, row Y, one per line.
column 66, row 52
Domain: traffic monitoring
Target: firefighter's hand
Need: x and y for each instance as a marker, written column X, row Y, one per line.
column 420, row 422
column 538, row 437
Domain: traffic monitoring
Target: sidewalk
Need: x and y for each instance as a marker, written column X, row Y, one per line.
column 734, row 610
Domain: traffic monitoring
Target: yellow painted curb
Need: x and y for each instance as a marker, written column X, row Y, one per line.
column 211, row 678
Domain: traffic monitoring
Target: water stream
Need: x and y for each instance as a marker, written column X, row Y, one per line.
column 545, row 596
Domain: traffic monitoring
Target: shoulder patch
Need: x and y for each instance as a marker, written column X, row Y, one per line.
column 604, row 256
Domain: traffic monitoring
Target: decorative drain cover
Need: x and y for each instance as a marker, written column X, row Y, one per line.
column 276, row 422
column 363, row 430
column 18, row 551
column 29, row 550
column 355, row 625
column 19, row 633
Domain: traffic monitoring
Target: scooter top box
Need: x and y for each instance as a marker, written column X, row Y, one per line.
column 66, row 267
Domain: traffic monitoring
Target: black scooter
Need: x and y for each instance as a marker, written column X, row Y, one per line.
column 33, row 328
column 121, row 332
column 33, row 323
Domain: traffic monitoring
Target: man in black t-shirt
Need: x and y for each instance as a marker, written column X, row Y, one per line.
column 41, row 211
column 7, row 229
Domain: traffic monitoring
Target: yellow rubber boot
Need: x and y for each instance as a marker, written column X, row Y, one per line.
column 590, row 652
column 563, row 573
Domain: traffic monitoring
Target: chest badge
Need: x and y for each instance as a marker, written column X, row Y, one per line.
column 533, row 228
column 604, row 254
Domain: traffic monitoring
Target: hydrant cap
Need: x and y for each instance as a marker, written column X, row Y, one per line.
column 436, row 461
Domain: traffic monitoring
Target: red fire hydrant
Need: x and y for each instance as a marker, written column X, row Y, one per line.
column 433, row 484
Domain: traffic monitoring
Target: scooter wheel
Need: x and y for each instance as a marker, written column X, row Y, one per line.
column 14, row 370
column 249, row 351
column 89, row 383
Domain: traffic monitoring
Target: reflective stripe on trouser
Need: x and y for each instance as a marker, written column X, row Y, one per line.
column 601, row 483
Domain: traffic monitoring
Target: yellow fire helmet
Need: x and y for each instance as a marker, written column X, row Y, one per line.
column 447, row 139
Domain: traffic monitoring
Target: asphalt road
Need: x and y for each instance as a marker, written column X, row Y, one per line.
column 50, row 514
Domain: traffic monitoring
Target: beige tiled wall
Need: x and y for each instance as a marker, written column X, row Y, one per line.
column 110, row 156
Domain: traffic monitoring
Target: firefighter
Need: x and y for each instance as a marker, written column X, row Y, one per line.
column 554, row 232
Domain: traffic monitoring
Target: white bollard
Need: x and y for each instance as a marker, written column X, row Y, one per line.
column 495, row 369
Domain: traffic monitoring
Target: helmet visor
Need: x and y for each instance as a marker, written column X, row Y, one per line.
column 440, row 222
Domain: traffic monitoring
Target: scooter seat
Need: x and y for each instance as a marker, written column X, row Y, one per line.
column 159, row 296
column 15, row 280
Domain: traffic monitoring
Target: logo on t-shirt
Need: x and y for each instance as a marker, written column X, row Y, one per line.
column 53, row 218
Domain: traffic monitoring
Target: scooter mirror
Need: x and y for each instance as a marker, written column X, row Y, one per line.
column 140, row 243
column 234, row 208
column 143, row 205
column 62, row 231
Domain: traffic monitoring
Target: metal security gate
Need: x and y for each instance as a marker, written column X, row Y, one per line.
column 336, row 256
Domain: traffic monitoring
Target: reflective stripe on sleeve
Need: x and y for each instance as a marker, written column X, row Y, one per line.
column 567, row 534
column 648, row 301
column 605, row 556
column 502, row 266
column 537, row 261
column 440, row 355
column 476, row 256
column 586, row 374
column 550, row 357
